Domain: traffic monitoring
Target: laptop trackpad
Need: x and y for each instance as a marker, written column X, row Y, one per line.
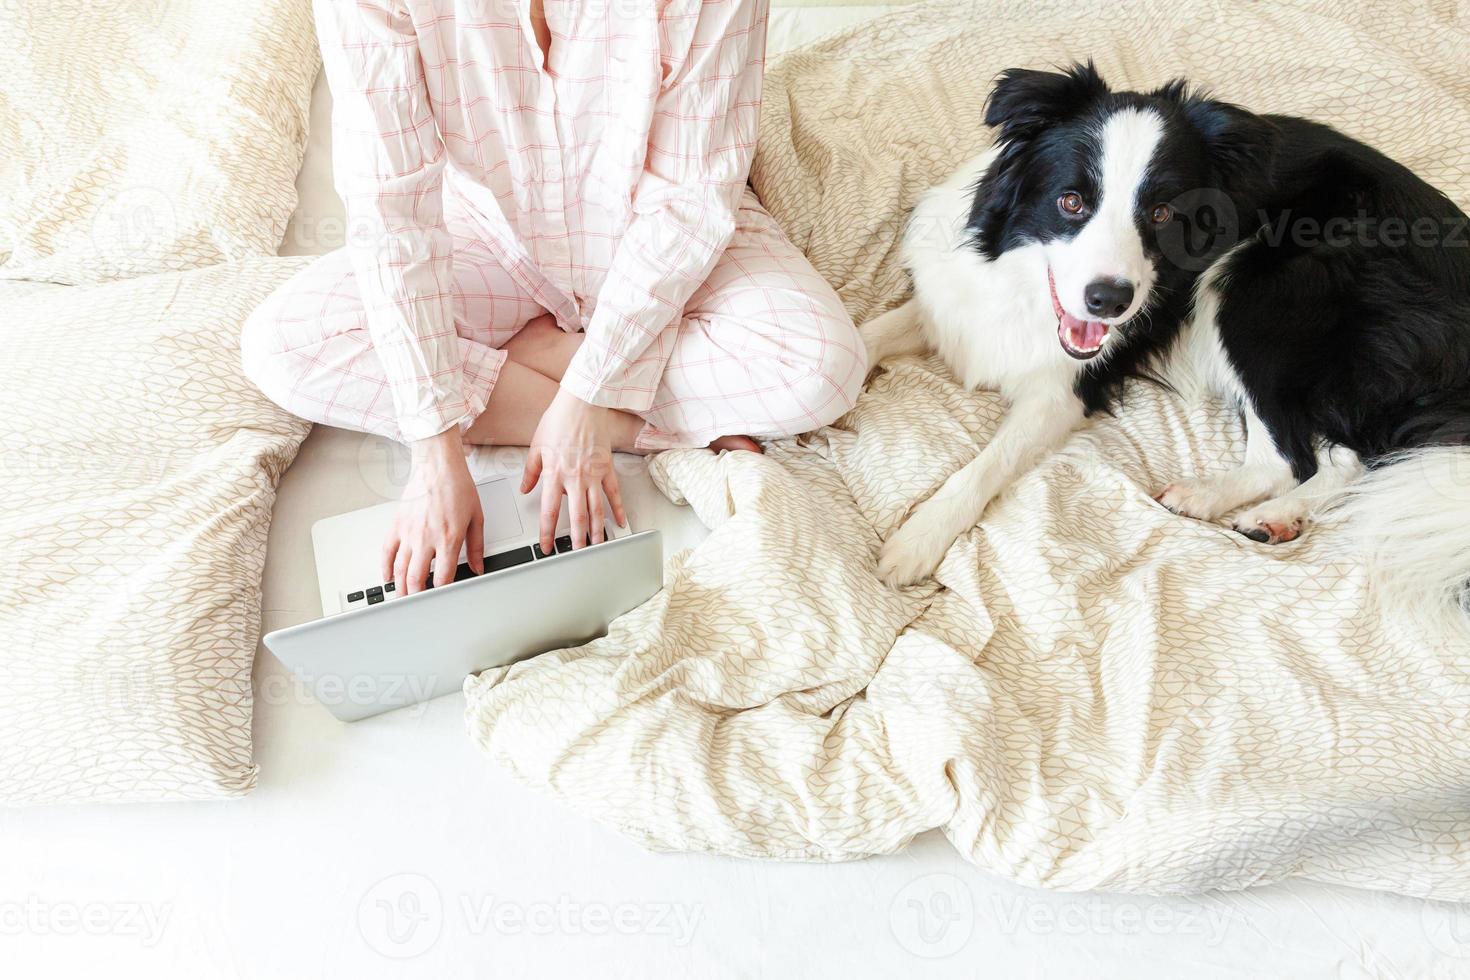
column 502, row 515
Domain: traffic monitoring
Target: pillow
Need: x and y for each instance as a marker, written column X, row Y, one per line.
column 149, row 135
column 140, row 466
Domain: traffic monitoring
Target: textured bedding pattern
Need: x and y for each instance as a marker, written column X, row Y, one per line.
column 144, row 136
column 142, row 139
column 1101, row 695
column 136, row 512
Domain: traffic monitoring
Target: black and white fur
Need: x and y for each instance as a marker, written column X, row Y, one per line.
column 1341, row 355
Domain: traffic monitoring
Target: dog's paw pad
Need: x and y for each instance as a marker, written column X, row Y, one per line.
column 1270, row 532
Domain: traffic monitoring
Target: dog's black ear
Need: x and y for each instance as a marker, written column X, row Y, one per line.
column 1024, row 101
column 1241, row 145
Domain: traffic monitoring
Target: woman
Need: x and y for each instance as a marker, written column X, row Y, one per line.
column 551, row 244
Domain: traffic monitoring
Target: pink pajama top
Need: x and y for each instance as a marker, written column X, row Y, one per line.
column 605, row 181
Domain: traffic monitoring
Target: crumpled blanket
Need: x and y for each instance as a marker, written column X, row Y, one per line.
column 1094, row 693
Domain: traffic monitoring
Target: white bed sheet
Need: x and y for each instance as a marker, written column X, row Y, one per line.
column 393, row 848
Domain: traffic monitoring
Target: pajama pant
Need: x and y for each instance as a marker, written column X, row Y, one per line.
column 764, row 349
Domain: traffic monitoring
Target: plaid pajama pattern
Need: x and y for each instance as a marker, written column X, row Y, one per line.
column 484, row 188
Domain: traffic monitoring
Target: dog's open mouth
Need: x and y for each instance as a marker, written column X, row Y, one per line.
column 1080, row 338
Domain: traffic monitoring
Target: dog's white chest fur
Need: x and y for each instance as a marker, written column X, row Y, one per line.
column 977, row 314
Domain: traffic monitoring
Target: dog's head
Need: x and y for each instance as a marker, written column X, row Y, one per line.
column 1114, row 186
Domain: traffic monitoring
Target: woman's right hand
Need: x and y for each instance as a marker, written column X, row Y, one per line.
column 438, row 514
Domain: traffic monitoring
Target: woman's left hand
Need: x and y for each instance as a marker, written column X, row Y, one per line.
column 571, row 453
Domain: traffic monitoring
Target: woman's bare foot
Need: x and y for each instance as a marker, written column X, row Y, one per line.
column 736, row 444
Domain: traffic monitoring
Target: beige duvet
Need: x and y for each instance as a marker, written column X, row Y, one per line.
column 1095, row 693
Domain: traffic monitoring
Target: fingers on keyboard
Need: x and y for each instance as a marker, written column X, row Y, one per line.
column 493, row 563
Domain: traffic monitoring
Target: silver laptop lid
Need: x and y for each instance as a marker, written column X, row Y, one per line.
column 370, row 660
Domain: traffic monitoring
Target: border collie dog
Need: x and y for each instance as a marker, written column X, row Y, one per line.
column 1318, row 286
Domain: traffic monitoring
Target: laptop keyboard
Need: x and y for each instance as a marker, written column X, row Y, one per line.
column 372, row 595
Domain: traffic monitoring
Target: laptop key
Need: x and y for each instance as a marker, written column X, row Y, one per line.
column 508, row 559
column 564, row 543
column 493, row 563
column 536, row 550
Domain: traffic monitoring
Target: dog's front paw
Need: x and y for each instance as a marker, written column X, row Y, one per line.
column 914, row 551
column 877, row 354
column 890, row 335
column 1200, row 499
column 1273, row 522
column 873, row 348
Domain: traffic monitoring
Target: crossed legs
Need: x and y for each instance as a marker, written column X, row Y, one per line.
column 535, row 360
column 764, row 349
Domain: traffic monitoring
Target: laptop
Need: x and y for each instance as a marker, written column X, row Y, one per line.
column 374, row 650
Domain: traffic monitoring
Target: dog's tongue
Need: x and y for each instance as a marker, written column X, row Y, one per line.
column 1083, row 334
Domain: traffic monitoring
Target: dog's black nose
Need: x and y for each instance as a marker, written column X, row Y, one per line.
column 1108, row 297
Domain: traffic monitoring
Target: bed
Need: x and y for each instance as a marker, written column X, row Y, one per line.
column 365, row 850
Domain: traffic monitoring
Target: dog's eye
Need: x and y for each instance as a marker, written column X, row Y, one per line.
column 1161, row 213
column 1071, row 202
